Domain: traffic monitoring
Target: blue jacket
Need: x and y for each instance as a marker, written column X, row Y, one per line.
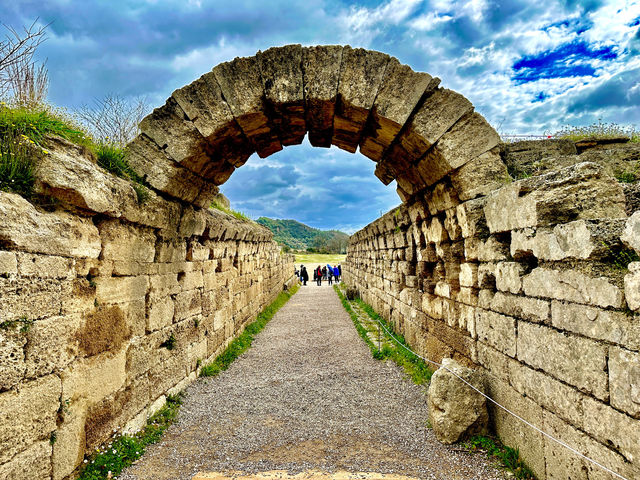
column 336, row 273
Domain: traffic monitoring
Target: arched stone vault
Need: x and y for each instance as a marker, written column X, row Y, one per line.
column 417, row 132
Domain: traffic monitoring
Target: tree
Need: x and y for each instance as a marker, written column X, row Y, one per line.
column 17, row 69
column 114, row 119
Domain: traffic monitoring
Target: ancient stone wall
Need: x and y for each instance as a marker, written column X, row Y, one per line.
column 107, row 305
column 523, row 283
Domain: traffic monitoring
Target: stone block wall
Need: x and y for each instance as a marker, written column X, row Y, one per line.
column 107, row 306
column 522, row 283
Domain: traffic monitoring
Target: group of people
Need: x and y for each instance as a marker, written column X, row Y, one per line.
column 327, row 272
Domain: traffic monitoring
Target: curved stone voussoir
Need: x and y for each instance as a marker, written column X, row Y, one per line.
column 203, row 103
column 164, row 174
column 361, row 75
column 243, row 90
column 169, row 127
column 281, row 70
column 321, row 73
column 401, row 90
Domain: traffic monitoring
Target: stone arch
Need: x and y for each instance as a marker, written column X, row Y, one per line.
column 418, row 133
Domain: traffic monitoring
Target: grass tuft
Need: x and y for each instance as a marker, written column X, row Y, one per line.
column 240, row 344
column 111, row 460
column 598, row 130
column 235, row 213
column 17, row 165
column 509, row 457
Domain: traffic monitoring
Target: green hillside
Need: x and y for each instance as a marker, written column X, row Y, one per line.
column 301, row 237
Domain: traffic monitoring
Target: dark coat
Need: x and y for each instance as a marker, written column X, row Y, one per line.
column 304, row 275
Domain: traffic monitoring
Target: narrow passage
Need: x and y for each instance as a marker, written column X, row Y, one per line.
column 307, row 395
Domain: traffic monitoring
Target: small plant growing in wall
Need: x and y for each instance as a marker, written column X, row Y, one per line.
column 24, row 323
column 169, row 343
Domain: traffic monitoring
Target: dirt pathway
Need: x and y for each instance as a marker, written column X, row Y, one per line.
column 307, row 395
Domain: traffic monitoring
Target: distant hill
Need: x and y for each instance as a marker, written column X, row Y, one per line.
column 298, row 236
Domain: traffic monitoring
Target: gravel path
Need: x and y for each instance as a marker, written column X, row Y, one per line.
column 307, row 395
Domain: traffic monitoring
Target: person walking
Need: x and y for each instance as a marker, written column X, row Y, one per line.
column 324, row 273
column 336, row 273
column 329, row 275
column 339, row 270
column 319, row 275
column 304, row 276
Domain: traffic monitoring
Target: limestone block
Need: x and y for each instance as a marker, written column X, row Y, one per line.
column 8, row 263
column 45, row 266
column 490, row 250
column 547, row 392
column 24, row 298
column 613, row 428
column 572, row 286
column 281, row 71
column 243, row 89
column 632, row 286
column 452, row 226
column 575, row 360
column 171, row 130
column 188, row 304
column 193, row 222
column 624, row 380
column 34, row 462
column 203, row 103
column 508, row 277
column 400, row 92
column 28, row 415
column 581, row 239
column 126, row 242
column 94, row 378
column 480, row 176
column 164, row 285
column 197, row 253
column 441, row 198
column 496, row 364
column 27, row 229
column 468, row 274
column 561, row 196
column 631, row 235
column 470, row 215
column 51, row 345
column 69, row 175
column 120, row 289
column 498, row 331
column 469, row 138
column 531, row 309
column 607, row 325
column 321, row 71
column 456, row 411
column 159, row 213
column 511, row 430
column 438, row 113
column 12, row 365
column 191, row 280
column 164, row 173
column 69, row 448
column 436, row 232
column 171, row 252
column 361, row 74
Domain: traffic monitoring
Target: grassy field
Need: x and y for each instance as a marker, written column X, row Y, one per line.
column 314, row 259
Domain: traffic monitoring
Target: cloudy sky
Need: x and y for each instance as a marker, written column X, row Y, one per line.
column 530, row 67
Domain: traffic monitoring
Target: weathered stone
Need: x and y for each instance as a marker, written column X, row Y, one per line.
column 582, row 239
column 28, row 415
column 25, row 228
column 45, row 266
column 456, row 411
column 631, row 234
column 496, row 330
column 471, row 218
column 243, row 89
column 166, row 175
column 51, row 345
column 321, row 71
column 607, row 325
column 126, row 242
column 575, row 360
column 531, row 309
column 399, row 93
column 361, row 75
column 193, row 222
column 12, row 365
column 632, row 286
column 34, row 462
column 25, row 299
column 624, row 380
column 160, row 315
column 573, row 193
column 508, row 277
column 572, row 286
column 281, row 71
column 480, row 176
column 8, row 263
column 468, row 274
column 203, row 103
column 120, row 289
column 69, row 447
column 94, row 378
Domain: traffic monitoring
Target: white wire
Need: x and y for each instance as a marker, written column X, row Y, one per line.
column 560, row 442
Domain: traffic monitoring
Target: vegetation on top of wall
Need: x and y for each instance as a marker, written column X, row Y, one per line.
column 598, row 130
column 241, row 343
column 122, row 451
column 235, row 213
column 113, row 159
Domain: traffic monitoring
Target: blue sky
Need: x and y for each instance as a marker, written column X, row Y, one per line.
column 528, row 67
